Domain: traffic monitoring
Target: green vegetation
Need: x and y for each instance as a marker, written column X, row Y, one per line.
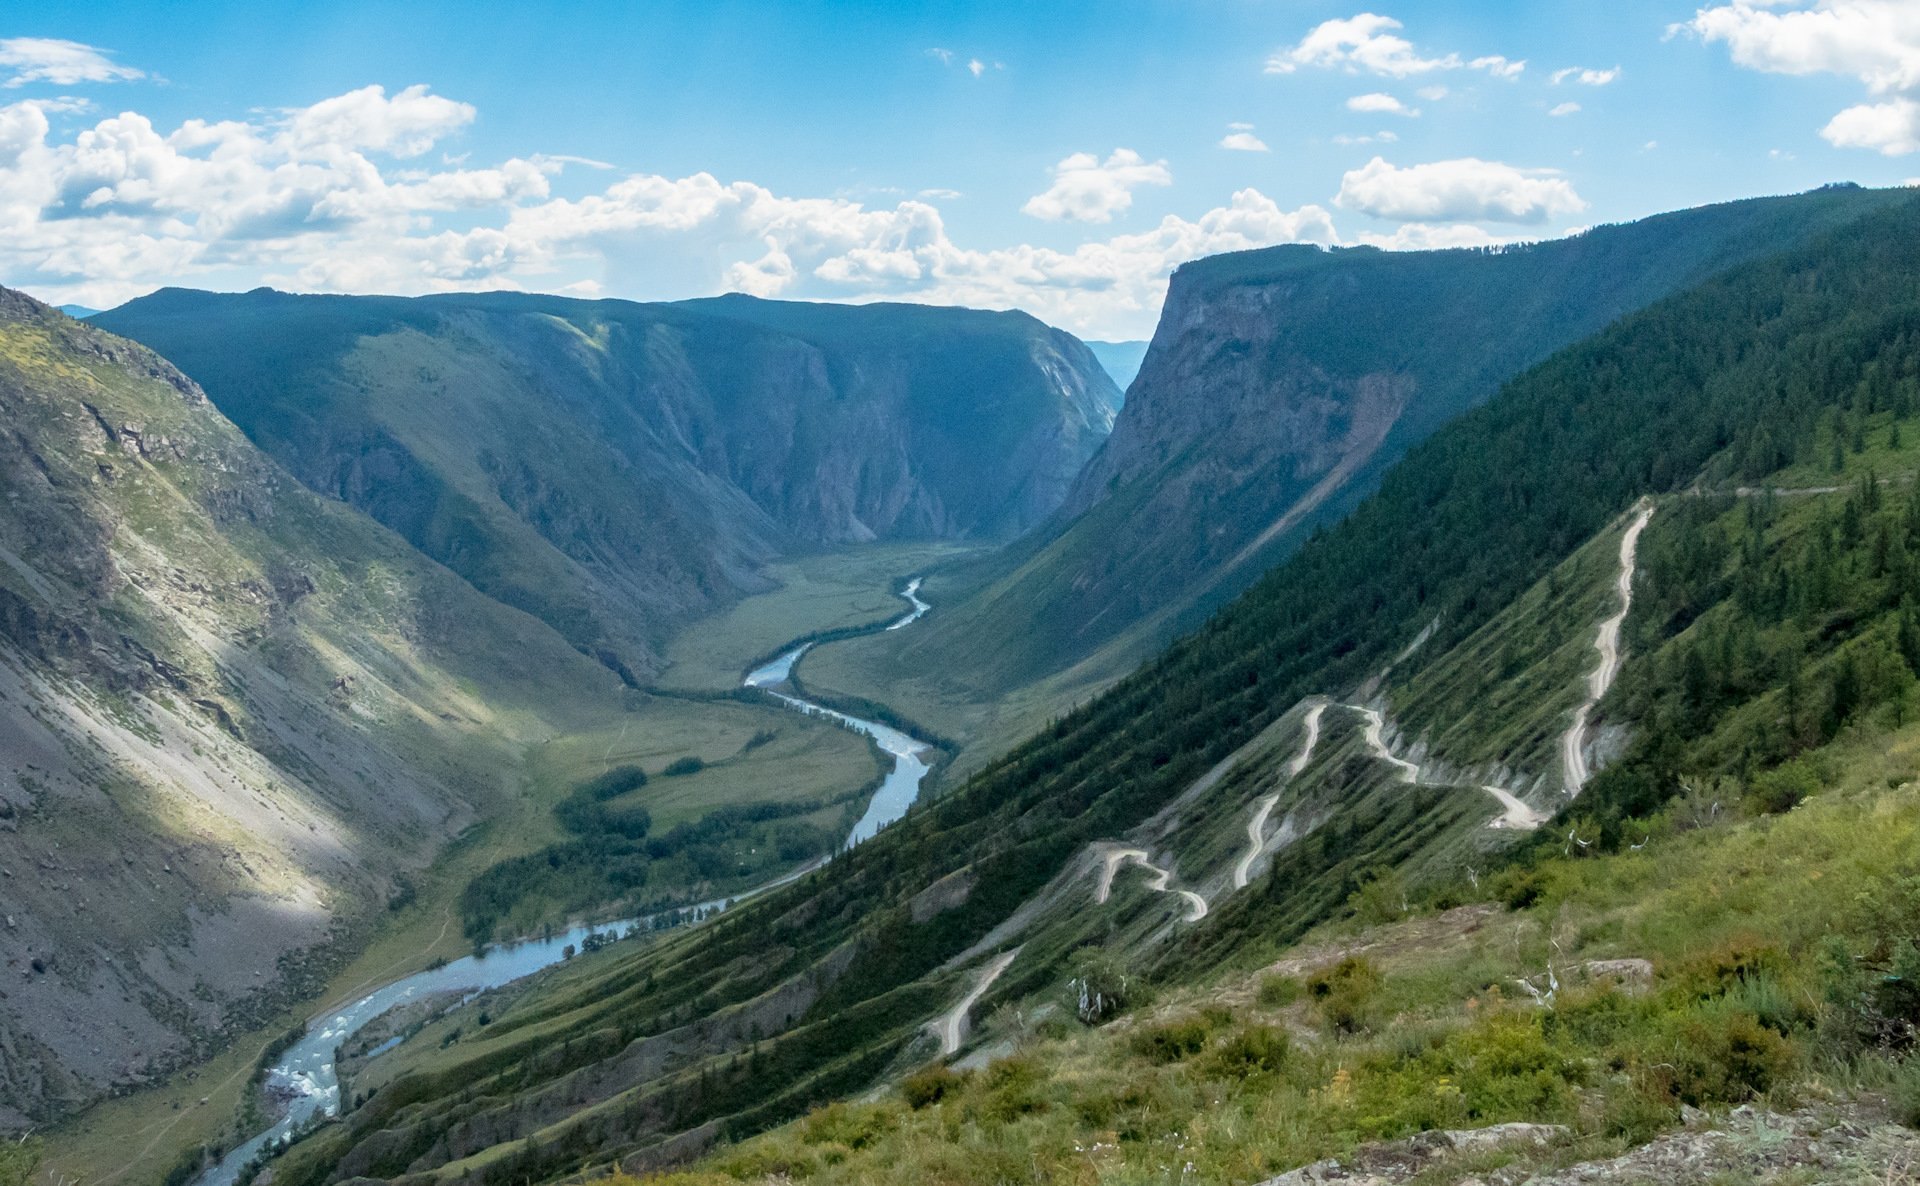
column 1233, row 435
column 1722, row 385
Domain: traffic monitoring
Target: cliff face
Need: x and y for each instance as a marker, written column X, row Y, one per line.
column 616, row 468
column 232, row 717
column 1279, row 385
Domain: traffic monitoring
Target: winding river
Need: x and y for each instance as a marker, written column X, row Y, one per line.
column 305, row 1076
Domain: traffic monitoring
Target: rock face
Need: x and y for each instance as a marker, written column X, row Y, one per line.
column 1279, row 386
column 614, row 468
column 232, row 717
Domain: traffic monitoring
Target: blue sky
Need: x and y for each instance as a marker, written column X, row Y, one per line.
column 1056, row 157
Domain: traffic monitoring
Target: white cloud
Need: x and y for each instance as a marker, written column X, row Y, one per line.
column 1498, row 66
column 1432, row 94
column 1382, row 137
column 1365, row 44
column 1875, row 41
column 1380, row 103
column 1892, row 127
column 1087, row 189
column 1240, row 138
column 976, row 67
column 1460, row 190
column 1416, row 236
column 1563, row 109
column 406, row 125
column 1584, row 76
column 945, row 55
column 62, row 63
column 121, row 207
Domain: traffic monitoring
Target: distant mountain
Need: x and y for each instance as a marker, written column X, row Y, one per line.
column 1120, row 359
column 1279, row 387
column 615, row 468
column 77, row 311
column 233, row 717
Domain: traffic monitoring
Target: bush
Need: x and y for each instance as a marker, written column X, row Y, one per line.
column 680, row 767
column 1100, row 988
column 1172, row 1041
column 850, row 1125
column 1277, row 992
column 1782, row 788
column 927, row 1087
column 1718, row 1056
column 1013, row 1089
column 1255, row 1050
column 1345, row 994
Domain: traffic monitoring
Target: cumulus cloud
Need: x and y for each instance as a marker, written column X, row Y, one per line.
column 342, row 196
column 1463, row 190
column 1087, row 189
column 1240, row 138
column 1584, row 76
column 405, row 125
column 1892, row 128
column 1876, row 42
column 1366, row 44
column 1560, row 109
column 1380, row 103
column 62, row 63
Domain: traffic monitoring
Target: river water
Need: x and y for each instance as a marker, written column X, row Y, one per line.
column 305, row 1076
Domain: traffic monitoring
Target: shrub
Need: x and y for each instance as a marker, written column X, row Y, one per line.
column 1172, row 1041
column 1100, row 988
column 927, row 1087
column 681, row 767
column 1719, row 1055
column 1277, row 992
column 850, row 1125
column 1013, row 1089
column 1782, row 788
column 1255, row 1050
column 1345, row 994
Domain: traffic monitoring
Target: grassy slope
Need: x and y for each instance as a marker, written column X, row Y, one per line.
column 1739, row 913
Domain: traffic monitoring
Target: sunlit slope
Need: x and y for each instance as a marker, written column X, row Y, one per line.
column 234, row 715
column 1728, row 383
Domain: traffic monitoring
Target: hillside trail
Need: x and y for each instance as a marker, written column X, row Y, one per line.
column 1257, row 824
column 952, row 1025
column 1159, row 880
column 1573, row 759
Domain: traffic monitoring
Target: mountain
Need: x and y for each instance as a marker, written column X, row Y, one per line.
column 1686, row 940
column 1280, row 386
column 1121, row 360
column 237, row 719
column 78, row 312
column 615, row 469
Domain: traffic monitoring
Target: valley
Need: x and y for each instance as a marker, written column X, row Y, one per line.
column 776, row 865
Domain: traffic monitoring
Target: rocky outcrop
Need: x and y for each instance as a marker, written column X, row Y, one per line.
column 1279, row 387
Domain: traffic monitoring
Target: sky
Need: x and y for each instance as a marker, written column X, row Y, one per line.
column 1062, row 158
